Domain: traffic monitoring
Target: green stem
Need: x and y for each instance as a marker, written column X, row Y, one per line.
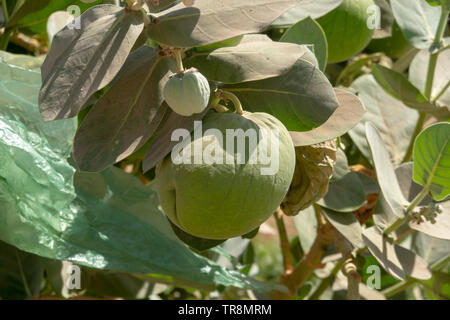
column 179, row 60
column 5, row 11
column 235, row 100
column 442, row 92
column 398, row 287
column 22, row 275
column 433, row 59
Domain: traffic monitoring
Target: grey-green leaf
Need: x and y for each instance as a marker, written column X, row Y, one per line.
column 398, row 86
column 127, row 115
column 396, row 260
column 302, row 98
column 337, row 125
column 82, row 61
column 209, row 21
column 306, row 226
column 314, row 9
column 309, row 32
column 249, row 61
column 395, row 122
column 418, row 74
column 387, row 179
column 432, row 160
column 418, row 21
column 347, row 225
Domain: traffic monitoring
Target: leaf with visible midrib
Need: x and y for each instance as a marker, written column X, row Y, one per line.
column 302, row 99
column 86, row 60
column 249, row 61
column 212, row 21
column 127, row 115
column 432, row 160
column 398, row 86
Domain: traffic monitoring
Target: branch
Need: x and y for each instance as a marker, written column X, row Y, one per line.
column 29, row 44
column 284, row 242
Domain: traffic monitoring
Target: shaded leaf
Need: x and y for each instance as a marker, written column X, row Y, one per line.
column 432, row 160
column 398, row 86
column 430, row 248
column 345, row 191
column 193, row 241
column 396, row 260
column 387, row 179
column 82, row 61
column 302, row 99
column 309, row 32
column 440, row 229
column 212, row 21
column 347, row 225
column 344, row 118
column 127, row 115
column 249, row 61
column 394, row 121
column 162, row 143
column 21, row 273
column 306, row 226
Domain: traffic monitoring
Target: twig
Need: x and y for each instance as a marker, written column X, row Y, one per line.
column 284, row 242
column 30, row 44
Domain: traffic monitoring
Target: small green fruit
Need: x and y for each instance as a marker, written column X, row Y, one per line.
column 347, row 30
column 187, row 92
column 213, row 200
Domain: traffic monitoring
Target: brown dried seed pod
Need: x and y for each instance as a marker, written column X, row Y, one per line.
column 313, row 170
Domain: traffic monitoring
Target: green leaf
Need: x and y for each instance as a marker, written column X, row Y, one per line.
column 432, row 160
column 387, row 179
column 345, row 191
column 162, row 143
column 193, row 241
column 249, row 61
column 418, row 21
column 429, row 248
column 309, row 32
column 418, row 74
column 25, row 8
column 314, row 9
column 35, row 19
column 22, row 60
column 211, row 21
column 21, row 273
column 306, row 226
column 347, row 225
column 396, row 260
column 398, row 86
column 394, row 121
column 127, row 115
column 354, row 67
column 83, row 61
column 302, row 98
column 337, row 125
column 161, row 4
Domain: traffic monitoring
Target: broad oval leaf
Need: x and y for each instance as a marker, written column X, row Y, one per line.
column 418, row 21
column 209, row 21
column 418, row 74
column 249, row 61
column 347, row 225
column 309, row 8
column 440, row 229
column 395, row 122
column 306, row 226
column 302, row 98
column 429, row 248
column 162, row 144
column 82, row 61
column 387, row 179
column 344, row 118
column 127, row 115
column 398, row 86
column 345, row 190
column 432, row 160
column 309, row 32
column 396, row 260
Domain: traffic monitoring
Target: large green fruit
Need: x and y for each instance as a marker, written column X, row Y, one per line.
column 214, row 200
column 394, row 46
column 347, row 30
column 187, row 92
